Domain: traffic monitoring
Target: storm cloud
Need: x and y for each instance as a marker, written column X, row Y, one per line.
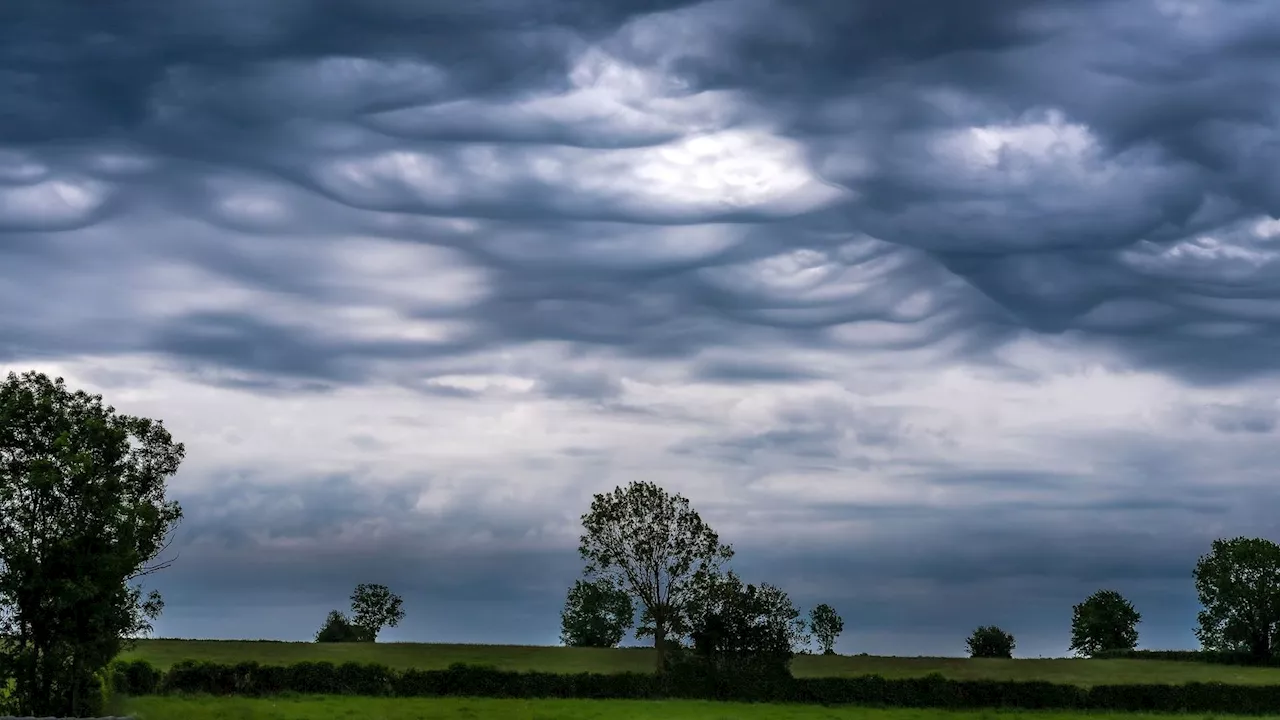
column 914, row 300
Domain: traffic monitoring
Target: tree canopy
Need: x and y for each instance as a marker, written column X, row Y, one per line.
column 1238, row 584
column 989, row 641
column 744, row 628
column 374, row 607
column 826, row 625
column 596, row 614
column 655, row 547
column 83, row 515
column 1105, row 621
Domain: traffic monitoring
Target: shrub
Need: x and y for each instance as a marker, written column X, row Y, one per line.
column 990, row 641
column 337, row 628
column 134, row 677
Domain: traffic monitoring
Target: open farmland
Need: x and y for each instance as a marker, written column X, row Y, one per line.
column 163, row 653
column 335, row 708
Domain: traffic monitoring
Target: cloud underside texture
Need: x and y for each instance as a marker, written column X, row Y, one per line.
column 945, row 313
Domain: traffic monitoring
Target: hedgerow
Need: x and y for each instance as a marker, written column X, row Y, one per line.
column 137, row 677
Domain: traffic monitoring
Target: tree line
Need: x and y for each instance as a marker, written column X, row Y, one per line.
column 644, row 546
column 84, row 520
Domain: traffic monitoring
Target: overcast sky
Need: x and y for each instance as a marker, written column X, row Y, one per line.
column 943, row 313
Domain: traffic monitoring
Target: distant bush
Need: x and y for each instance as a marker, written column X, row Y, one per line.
column 990, row 641
column 134, row 677
column 337, row 628
column 932, row 691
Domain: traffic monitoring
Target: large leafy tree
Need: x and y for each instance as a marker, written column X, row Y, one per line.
column 374, row 607
column 1238, row 583
column 1105, row 621
column 83, row 516
column 653, row 545
column 826, row 625
column 596, row 614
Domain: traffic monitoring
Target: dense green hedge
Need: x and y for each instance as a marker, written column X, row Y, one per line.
column 138, row 677
column 1203, row 656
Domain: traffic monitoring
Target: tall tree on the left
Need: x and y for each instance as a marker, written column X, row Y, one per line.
column 83, row 516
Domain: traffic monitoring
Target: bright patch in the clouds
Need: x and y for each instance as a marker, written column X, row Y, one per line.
column 53, row 203
column 1267, row 228
column 404, row 274
column 1020, row 149
column 1206, row 258
column 612, row 104
column 697, row 177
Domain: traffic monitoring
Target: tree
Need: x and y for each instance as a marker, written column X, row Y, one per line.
column 826, row 625
column 990, row 641
column 1105, row 621
column 373, row 607
column 596, row 614
column 654, row 546
column 1238, row 583
column 83, row 515
column 744, row 631
column 337, row 628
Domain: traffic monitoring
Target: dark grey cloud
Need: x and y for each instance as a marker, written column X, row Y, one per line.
column 747, row 195
column 314, row 99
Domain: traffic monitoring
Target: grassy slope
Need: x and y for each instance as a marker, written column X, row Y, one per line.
column 163, row 653
column 345, row 708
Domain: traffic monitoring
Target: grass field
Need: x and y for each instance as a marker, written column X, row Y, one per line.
column 164, row 653
column 350, row 708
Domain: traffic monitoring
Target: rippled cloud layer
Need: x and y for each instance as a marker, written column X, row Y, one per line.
column 914, row 300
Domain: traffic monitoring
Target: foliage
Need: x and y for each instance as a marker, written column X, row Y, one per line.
column 337, row 628
column 653, row 545
column 1211, row 657
column 82, row 514
column 1106, row 621
column 1238, row 584
column 990, row 641
column 374, row 607
column 596, row 614
column 134, row 677
column 826, row 625
column 744, row 632
column 934, row 691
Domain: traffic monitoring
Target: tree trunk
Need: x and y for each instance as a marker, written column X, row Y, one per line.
column 75, row 685
column 660, row 644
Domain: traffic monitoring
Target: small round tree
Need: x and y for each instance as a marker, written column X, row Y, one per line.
column 1104, row 622
column 596, row 614
column 990, row 641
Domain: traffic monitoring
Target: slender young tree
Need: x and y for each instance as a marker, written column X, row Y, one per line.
column 826, row 625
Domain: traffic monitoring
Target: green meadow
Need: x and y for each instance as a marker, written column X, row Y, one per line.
column 1084, row 672
column 358, row 708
